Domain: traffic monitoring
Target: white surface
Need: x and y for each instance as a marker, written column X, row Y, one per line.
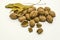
column 11, row 29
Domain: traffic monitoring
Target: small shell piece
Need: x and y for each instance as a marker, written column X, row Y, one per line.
column 31, row 9
column 47, row 9
column 32, row 23
column 46, row 13
column 42, row 18
column 30, row 30
column 40, row 11
column 27, row 16
column 22, row 18
column 36, row 19
column 49, row 19
column 24, row 12
column 38, row 25
column 40, row 30
column 52, row 13
column 24, row 23
column 13, row 16
column 33, row 14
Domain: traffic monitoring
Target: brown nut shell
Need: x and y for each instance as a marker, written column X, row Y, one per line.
column 27, row 16
column 49, row 19
column 47, row 9
column 42, row 18
column 31, row 9
column 24, row 12
column 40, row 11
column 46, row 13
column 22, row 18
column 30, row 30
column 33, row 14
column 13, row 16
column 40, row 30
column 36, row 19
column 52, row 13
column 24, row 23
column 39, row 25
column 32, row 23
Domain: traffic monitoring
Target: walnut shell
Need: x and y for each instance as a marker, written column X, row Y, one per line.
column 13, row 16
column 47, row 9
column 40, row 30
column 38, row 25
column 36, row 19
column 24, row 23
column 22, row 18
column 49, row 19
column 27, row 16
column 52, row 13
column 30, row 30
column 42, row 18
column 46, row 13
column 40, row 11
column 33, row 14
column 32, row 23
column 31, row 9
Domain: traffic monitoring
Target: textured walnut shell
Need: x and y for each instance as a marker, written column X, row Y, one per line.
column 52, row 13
column 24, row 23
column 36, row 19
column 38, row 25
column 13, row 16
column 32, row 23
column 42, row 18
column 40, row 11
column 47, row 9
column 27, row 16
column 24, row 12
column 40, row 30
column 33, row 14
column 30, row 30
column 46, row 13
column 49, row 19
column 31, row 9
column 22, row 18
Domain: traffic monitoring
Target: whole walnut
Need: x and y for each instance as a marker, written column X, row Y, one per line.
column 42, row 18
column 52, row 13
column 13, row 16
column 22, row 18
column 49, row 19
column 33, row 14
column 40, row 11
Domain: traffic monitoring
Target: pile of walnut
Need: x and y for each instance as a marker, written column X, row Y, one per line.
column 32, row 16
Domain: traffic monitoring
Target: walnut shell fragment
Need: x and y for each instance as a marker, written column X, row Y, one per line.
column 40, row 30
column 32, row 23
column 24, row 23
column 13, row 16
column 42, row 18
column 30, row 30
column 49, row 19
column 39, row 25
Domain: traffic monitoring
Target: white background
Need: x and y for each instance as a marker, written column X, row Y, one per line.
column 12, row 30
